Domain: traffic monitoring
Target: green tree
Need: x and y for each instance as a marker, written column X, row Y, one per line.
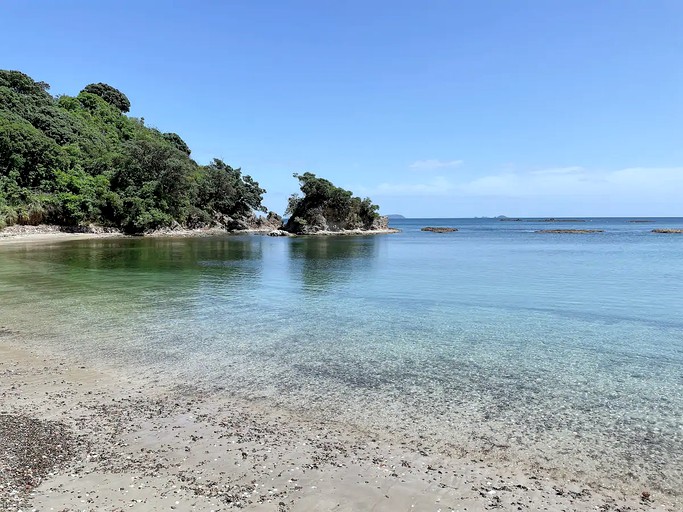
column 109, row 94
column 77, row 160
column 225, row 190
column 177, row 142
column 326, row 206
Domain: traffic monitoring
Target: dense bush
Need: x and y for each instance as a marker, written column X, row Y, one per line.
column 324, row 206
column 112, row 96
column 79, row 160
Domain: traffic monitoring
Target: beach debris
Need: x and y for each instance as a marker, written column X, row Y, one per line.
column 31, row 450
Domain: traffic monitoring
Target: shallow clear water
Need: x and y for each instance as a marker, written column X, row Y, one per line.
column 564, row 351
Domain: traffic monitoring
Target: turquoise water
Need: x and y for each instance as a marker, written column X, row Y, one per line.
column 557, row 351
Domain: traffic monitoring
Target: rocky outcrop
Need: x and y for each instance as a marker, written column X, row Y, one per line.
column 250, row 223
column 279, row 232
column 668, row 230
column 439, row 229
column 270, row 222
column 562, row 220
column 570, row 231
column 318, row 224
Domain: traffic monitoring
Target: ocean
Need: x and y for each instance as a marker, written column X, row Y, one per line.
column 561, row 351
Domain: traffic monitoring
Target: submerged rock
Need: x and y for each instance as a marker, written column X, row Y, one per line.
column 439, row 229
column 667, row 230
column 571, row 231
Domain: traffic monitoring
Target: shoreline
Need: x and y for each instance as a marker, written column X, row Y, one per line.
column 139, row 442
column 350, row 232
column 49, row 233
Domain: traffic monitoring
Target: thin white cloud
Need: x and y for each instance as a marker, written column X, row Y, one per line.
column 641, row 182
column 430, row 165
column 438, row 186
column 559, row 170
column 568, row 192
column 644, row 183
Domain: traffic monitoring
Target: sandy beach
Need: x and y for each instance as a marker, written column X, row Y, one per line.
column 76, row 436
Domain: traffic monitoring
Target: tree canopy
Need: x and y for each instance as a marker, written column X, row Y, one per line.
column 109, row 94
column 78, row 160
column 326, row 207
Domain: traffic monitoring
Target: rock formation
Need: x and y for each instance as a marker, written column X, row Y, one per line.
column 439, row 229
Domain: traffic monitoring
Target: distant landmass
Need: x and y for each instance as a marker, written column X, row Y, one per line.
column 394, row 216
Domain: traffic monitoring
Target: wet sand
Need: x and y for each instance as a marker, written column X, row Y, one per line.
column 75, row 436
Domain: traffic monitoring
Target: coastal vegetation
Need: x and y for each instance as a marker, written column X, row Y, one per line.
column 78, row 160
column 326, row 207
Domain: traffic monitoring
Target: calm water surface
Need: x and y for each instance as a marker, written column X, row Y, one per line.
column 560, row 351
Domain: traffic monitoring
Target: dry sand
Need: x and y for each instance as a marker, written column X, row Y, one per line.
column 75, row 437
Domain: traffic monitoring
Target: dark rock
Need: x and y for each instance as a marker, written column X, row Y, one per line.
column 563, row 220
column 571, row 231
column 667, row 230
column 439, row 230
column 270, row 222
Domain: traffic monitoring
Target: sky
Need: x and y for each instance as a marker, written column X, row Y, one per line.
column 433, row 108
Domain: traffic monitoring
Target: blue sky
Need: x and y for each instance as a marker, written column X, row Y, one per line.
column 432, row 108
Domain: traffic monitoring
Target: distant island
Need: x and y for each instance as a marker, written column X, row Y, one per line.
column 82, row 163
column 551, row 219
column 394, row 216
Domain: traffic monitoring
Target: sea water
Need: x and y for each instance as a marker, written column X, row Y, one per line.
column 558, row 351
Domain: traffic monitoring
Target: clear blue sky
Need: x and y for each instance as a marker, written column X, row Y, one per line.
column 433, row 108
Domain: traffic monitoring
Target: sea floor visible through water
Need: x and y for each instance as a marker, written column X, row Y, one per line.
column 555, row 353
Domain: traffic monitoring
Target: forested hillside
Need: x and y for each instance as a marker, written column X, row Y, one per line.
column 80, row 160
